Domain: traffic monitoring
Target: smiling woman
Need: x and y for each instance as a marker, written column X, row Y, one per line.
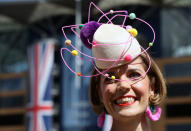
column 125, row 83
column 127, row 100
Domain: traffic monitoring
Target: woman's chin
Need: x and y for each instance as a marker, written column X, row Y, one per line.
column 127, row 112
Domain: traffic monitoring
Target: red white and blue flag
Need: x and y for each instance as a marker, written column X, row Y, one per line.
column 39, row 104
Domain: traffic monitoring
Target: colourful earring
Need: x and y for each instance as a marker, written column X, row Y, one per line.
column 101, row 119
column 152, row 113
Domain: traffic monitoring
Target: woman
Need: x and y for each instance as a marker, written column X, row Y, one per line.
column 126, row 83
column 127, row 103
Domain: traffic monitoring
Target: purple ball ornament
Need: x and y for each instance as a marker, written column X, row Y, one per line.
column 126, row 12
column 87, row 33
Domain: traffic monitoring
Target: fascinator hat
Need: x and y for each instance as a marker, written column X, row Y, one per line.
column 111, row 44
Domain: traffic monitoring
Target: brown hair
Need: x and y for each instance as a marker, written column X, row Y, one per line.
column 154, row 72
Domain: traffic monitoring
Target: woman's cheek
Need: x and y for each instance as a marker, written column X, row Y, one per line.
column 108, row 91
column 141, row 87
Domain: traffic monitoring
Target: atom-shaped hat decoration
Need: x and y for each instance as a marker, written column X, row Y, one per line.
column 111, row 45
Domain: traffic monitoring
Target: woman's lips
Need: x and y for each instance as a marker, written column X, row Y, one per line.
column 125, row 100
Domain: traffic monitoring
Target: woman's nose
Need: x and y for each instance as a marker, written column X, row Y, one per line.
column 123, row 83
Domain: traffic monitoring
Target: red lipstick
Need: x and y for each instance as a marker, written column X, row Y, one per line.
column 127, row 103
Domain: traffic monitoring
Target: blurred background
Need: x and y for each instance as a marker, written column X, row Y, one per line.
column 38, row 92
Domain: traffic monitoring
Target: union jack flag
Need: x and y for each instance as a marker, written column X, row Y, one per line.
column 39, row 104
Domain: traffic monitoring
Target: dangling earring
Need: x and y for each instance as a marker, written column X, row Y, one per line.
column 153, row 113
column 101, row 119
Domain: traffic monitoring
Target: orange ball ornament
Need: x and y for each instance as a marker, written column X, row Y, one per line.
column 68, row 42
column 79, row 74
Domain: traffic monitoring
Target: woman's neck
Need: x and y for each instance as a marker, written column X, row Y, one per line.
column 135, row 124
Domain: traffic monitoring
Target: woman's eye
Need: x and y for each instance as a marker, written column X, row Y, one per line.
column 134, row 75
column 108, row 80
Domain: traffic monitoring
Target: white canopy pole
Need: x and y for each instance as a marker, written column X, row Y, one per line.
column 78, row 20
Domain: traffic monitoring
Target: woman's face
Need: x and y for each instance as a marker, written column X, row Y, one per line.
column 128, row 96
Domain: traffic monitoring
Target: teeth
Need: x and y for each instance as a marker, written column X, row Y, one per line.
column 125, row 100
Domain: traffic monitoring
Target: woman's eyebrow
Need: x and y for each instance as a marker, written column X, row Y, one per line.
column 131, row 69
column 141, row 62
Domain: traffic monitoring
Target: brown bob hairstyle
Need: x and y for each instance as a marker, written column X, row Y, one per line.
column 154, row 72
